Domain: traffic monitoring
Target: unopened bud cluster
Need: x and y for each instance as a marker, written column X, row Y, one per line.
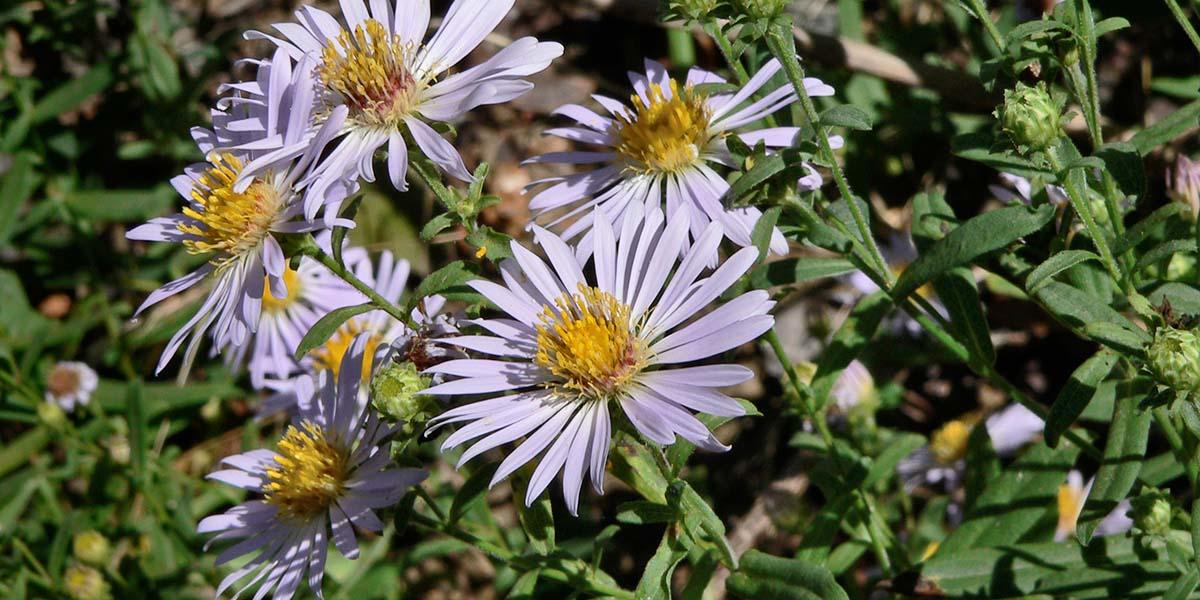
column 1174, row 359
column 1030, row 117
column 395, row 393
column 761, row 9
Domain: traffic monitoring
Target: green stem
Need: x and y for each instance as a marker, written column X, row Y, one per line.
column 779, row 40
column 817, row 416
column 311, row 250
column 437, row 510
column 1182, row 19
column 985, row 17
column 1084, row 209
column 713, row 28
column 1171, row 433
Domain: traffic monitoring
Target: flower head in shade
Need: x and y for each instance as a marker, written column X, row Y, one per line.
column 375, row 67
column 664, row 150
column 237, row 202
column 1183, row 184
column 329, row 475
column 70, row 384
column 1071, row 497
column 573, row 348
column 942, row 460
column 1022, row 190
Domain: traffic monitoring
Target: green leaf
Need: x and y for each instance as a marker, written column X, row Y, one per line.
column 699, row 520
column 977, row 147
column 741, row 585
column 494, row 243
column 1170, row 127
column 436, row 225
column 960, row 296
column 71, row 94
column 633, row 463
column 1124, row 163
column 1030, row 28
column 848, row 116
column 641, row 512
column 1116, row 337
column 324, row 329
column 764, row 228
column 18, row 184
column 135, row 414
column 1184, row 586
column 1110, row 25
column 1077, row 393
column 849, row 341
column 798, row 574
column 1123, row 454
column 1085, row 162
column 1111, row 567
column 896, row 449
column 1184, row 298
column 121, row 205
column 764, row 168
column 1196, row 531
column 524, row 588
column 799, row 270
column 537, row 519
column 985, row 233
column 474, row 490
column 1054, row 265
column 451, row 275
column 655, row 583
column 1078, row 309
column 1142, row 229
column 1165, row 251
column 1015, row 502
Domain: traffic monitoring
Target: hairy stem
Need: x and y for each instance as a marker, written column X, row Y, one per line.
column 1182, row 18
column 311, row 250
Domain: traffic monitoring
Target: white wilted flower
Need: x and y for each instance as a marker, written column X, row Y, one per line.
column 375, row 67
column 329, row 475
column 70, row 384
column 664, row 151
column 575, row 347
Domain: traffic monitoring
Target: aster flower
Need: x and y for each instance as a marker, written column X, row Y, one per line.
column 663, row 150
column 1013, row 426
column 232, row 217
column 854, row 387
column 329, row 475
column 1072, row 495
column 70, row 384
column 942, row 460
column 1024, row 190
column 377, row 68
column 575, row 347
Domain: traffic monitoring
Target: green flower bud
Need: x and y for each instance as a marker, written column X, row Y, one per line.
column 52, row 415
column 211, row 410
column 82, row 582
column 91, row 548
column 694, row 10
column 395, row 393
column 1174, row 359
column 1181, row 267
column 761, row 9
column 1030, row 117
column 1152, row 513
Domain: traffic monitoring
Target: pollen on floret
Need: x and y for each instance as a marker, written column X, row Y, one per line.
column 368, row 71
column 329, row 355
column 665, row 134
column 309, row 474
column 224, row 221
column 587, row 340
column 271, row 304
column 949, row 442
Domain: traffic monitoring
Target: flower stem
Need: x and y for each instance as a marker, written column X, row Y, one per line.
column 1080, row 202
column 1171, row 433
column 311, row 250
column 985, row 17
column 1182, row 18
column 817, row 416
column 779, row 40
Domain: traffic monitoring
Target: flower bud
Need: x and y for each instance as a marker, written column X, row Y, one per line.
column 395, row 393
column 1030, row 117
column 1152, row 513
column 1184, row 184
column 694, row 10
column 118, row 449
column 91, row 548
column 51, row 415
column 1174, row 359
column 761, row 9
column 82, row 582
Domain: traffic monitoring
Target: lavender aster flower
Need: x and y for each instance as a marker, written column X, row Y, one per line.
column 664, row 150
column 329, row 475
column 377, row 69
column 232, row 217
column 1071, row 497
column 1024, row 190
column 575, row 347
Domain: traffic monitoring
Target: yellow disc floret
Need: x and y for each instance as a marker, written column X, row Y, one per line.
column 310, row 473
column 368, row 70
column 291, row 281
column 665, row 134
column 329, row 355
column 224, row 221
column 1070, row 504
column 587, row 339
column 949, row 443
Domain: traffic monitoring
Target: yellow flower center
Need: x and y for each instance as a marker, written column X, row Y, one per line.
column 949, row 443
column 664, row 135
column 587, row 339
column 367, row 69
column 224, row 221
column 291, row 281
column 1070, row 503
column 310, row 473
column 329, row 355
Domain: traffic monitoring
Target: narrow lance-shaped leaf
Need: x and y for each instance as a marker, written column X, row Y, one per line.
column 848, row 342
column 960, row 296
column 978, row 236
column 795, row 578
column 1077, row 393
column 1123, row 454
column 763, row 229
column 1054, row 265
column 322, row 330
column 655, row 583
